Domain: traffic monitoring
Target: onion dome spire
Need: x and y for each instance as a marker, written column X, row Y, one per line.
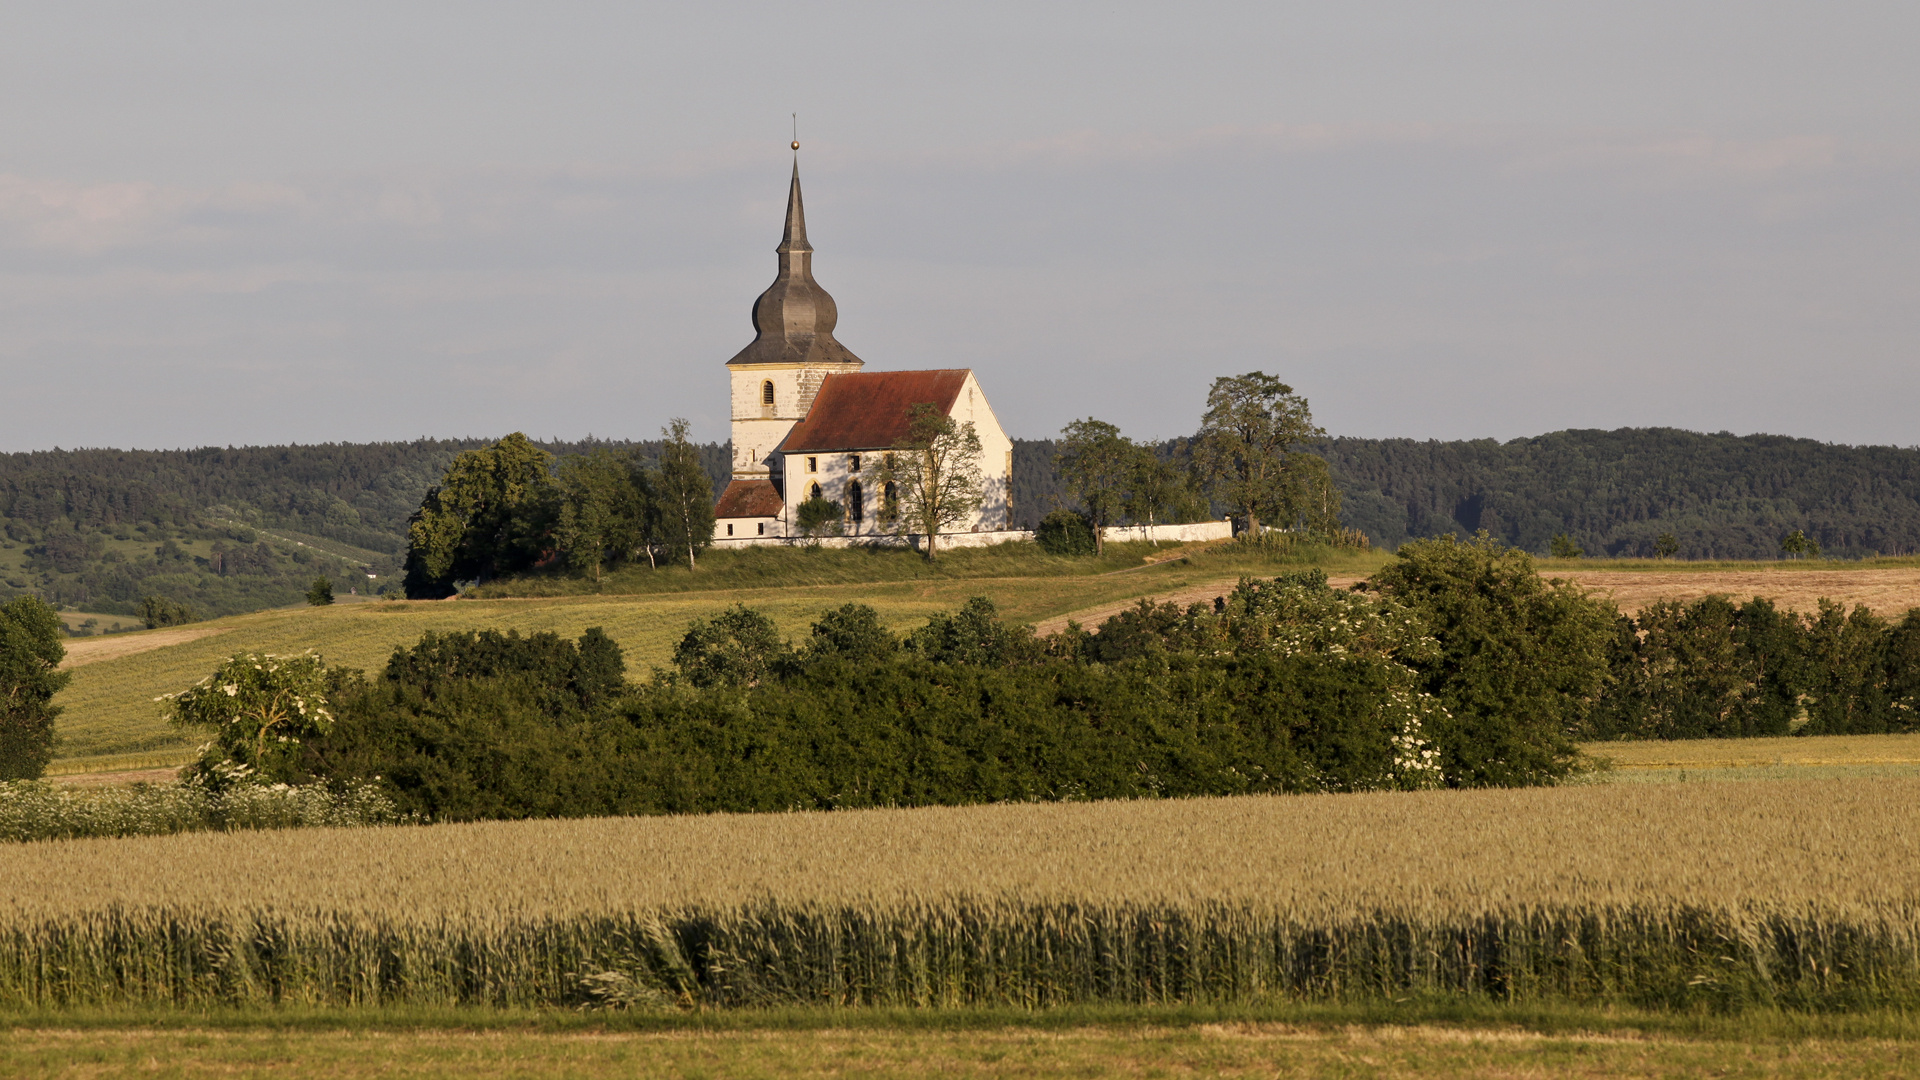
column 795, row 317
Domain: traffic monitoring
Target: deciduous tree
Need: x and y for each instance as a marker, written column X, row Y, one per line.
column 259, row 707
column 1156, row 492
column 30, row 675
column 1247, row 450
column 1519, row 662
column 492, row 513
column 1096, row 460
column 684, row 495
column 601, row 510
column 935, row 475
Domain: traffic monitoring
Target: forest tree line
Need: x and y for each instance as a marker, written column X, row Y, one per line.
column 1607, row 492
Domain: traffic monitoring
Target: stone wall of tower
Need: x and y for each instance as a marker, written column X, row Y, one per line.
column 758, row 428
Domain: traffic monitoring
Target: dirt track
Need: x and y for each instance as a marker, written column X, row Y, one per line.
column 1888, row 592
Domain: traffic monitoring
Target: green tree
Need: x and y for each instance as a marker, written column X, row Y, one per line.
column 492, row 513
column 1563, row 546
column 601, row 510
column 30, row 675
column 1666, row 546
column 1520, row 659
column 1096, row 461
column 736, row 648
column 320, row 593
column 934, row 476
column 820, row 517
column 1798, row 545
column 851, row 632
column 1156, row 492
column 684, row 495
column 158, row 611
column 260, row 708
column 1247, row 451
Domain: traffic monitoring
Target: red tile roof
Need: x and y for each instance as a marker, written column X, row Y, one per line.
column 749, row 498
column 867, row 410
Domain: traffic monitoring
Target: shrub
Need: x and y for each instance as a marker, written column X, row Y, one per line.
column 40, row 811
column 1065, row 532
column 320, row 593
column 1520, row 660
column 736, row 648
column 158, row 611
column 259, row 707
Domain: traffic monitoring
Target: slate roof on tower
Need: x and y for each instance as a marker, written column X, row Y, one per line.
column 868, row 410
column 794, row 318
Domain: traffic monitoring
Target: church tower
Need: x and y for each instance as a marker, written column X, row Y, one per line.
column 774, row 379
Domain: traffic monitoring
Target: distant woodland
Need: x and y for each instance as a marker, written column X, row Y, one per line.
column 223, row 530
column 230, row 530
column 1612, row 492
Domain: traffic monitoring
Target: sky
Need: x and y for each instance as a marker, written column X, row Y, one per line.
column 241, row 223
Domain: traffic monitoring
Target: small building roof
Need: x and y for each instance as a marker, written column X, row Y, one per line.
column 868, row 410
column 749, row 498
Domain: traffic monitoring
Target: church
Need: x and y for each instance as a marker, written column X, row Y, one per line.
column 809, row 421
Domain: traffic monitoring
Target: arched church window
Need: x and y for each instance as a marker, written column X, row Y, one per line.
column 814, row 492
column 856, row 504
column 766, row 392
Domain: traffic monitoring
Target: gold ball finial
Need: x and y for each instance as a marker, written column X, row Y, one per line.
column 796, row 144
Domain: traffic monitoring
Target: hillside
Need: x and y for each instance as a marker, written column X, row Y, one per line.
column 225, row 530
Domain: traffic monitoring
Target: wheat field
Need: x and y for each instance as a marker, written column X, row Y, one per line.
column 1793, row 893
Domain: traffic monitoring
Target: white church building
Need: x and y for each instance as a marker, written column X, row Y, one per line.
column 809, row 421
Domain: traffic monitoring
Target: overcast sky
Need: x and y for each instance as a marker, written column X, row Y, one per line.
column 262, row 223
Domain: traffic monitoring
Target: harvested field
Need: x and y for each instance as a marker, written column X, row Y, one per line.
column 93, row 650
column 1796, row 893
column 1888, row 592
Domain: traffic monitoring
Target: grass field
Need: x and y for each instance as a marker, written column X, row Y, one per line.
column 1438, row 1043
column 110, row 711
column 1791, row 758
column 1693, row 896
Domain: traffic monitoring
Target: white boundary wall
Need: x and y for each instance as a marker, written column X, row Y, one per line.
column 1184, row 534
column 1119, row 534
column 912, row 540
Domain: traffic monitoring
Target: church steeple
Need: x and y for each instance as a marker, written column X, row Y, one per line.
column 795, row 238
column 794, row 318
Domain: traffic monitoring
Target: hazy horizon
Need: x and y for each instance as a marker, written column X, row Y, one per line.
column 222, row 225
